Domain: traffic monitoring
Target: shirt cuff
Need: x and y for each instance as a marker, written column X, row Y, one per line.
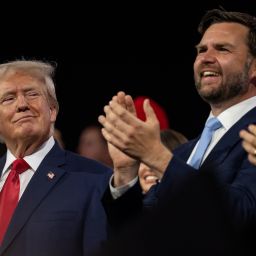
column 119, row 191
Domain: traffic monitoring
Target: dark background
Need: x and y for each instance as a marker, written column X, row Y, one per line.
column 101, row 48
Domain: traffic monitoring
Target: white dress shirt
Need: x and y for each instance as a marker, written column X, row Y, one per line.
column 227, row 118
column 33, row 160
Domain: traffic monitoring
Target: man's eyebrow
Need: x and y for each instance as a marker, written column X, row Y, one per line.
column 7, row 93
column 200, row 46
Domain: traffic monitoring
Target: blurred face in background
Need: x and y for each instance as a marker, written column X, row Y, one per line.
column 147, row 177
column 93, row 145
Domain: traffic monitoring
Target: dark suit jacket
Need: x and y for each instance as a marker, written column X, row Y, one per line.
column 228, row 165
column 231, row 195
column 59, row 216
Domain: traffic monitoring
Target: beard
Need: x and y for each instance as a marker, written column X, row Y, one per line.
column 237, row 84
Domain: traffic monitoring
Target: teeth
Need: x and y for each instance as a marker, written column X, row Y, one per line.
column 151, row 178
column 210, row 73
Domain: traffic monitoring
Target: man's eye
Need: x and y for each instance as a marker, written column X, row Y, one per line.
column 7, row 100
column 32, row 94
column 201, row 50
column 223, row 49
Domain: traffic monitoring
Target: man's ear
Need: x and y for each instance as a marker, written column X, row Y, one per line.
column 53, row 113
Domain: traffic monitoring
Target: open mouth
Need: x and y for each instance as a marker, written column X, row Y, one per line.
column 209, row 74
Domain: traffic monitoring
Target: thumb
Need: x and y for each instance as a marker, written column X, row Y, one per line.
column 149, row 112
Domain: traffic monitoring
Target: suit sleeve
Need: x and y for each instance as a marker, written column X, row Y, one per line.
column 121, row 211
column 232, row 184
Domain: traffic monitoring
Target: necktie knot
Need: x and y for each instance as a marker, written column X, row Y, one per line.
column 213, row 124
column 20, row 165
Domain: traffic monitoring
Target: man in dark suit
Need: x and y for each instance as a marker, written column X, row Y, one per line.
column 225, row 77
column 59, row 210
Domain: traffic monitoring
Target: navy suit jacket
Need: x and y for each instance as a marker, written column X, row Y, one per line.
column 227, row 165
column 59, row 216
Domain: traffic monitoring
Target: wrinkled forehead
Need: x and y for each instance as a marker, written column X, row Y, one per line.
column 19, row 81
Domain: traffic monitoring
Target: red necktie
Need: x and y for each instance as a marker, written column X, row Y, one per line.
column 9, row 195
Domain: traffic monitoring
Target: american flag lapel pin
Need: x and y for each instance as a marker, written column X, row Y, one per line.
column 50, row 175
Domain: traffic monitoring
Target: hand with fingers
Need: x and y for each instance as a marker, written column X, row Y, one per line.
column 249, row 142
column 125, row 167
column 138, row 139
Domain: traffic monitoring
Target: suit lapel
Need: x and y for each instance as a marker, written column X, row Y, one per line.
column 2, row 162
column 45, row 178
column 224, row 146
column 230, row 139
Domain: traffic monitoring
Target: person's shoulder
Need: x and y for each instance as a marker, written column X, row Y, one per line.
column 184, row 147
column 79, row 163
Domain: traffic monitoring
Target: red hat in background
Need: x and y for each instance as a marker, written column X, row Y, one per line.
column 159, row 111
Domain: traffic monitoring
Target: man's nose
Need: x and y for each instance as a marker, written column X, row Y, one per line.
column 22, row 103
column 208, row 57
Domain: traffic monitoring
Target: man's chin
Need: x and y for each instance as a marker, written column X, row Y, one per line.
column 25, row 133
column 210, row 94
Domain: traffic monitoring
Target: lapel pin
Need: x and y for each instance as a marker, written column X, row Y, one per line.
column 50, row 175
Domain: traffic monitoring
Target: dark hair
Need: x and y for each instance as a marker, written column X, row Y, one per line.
column 219, row 16
column 172, row 139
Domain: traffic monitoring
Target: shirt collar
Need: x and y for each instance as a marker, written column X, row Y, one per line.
column 231, row 115
column 34, row 160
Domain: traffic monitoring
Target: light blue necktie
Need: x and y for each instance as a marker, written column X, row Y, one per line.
column 211, row 125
